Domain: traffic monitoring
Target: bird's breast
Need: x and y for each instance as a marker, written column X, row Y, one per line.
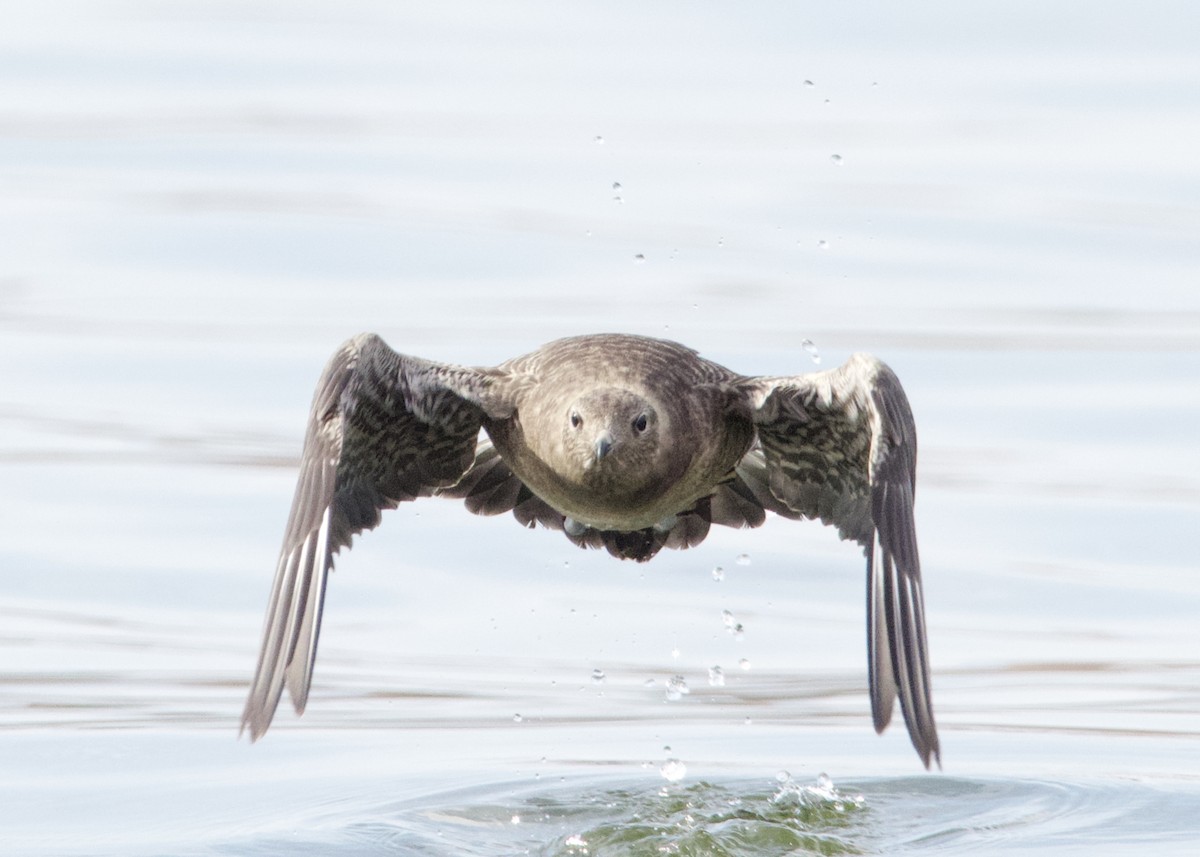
column 603, row 496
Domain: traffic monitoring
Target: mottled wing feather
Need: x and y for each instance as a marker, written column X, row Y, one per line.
column 383, row 428
column 491, row 488
column 744, row 500
column 840, row 446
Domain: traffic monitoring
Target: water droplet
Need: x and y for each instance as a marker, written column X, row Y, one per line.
column 744, row 663
column 823, row 244
column 675, row 653
column 673, row 770
column 639, row 258
column 836, row 160
column 517, row 718
column 782, row 777
column 739, row 633
column 587, row 233
column 718, row 574
column 598, row 140
column 720, row 242
column 575, row 841
column 728, row 619
column 743, row 559
column 677, row 688
column 516, row 819
column 598, row 676
column 716, row 677
column 649, row 683
column 824, row 783
column 616, row 185
column 811, row 347
column 808, row 83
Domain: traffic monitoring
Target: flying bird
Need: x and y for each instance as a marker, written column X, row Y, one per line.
column 622, row 442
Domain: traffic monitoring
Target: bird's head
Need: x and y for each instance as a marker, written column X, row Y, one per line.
column 610, row 436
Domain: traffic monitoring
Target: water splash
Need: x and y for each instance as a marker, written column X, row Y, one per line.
column 673, row 770
column 733, row 626
column 775, row 815
column 702, row 819
column 813, row 354
column 677, row 688
column 821, row 794
column 575, row 841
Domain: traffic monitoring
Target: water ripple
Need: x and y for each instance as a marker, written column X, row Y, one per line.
column 750, row 818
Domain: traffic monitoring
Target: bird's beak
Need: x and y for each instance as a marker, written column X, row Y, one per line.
column 604, row 445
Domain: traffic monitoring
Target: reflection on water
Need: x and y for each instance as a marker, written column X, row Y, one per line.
column 764, row 818
column 198, row 202
column 704, row 818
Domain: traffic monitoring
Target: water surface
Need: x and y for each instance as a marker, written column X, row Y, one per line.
column 200, row 201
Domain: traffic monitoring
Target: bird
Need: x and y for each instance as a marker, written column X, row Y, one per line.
column 622, row 442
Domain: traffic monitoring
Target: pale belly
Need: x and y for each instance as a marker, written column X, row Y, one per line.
column 603, row 513
column 603, row 508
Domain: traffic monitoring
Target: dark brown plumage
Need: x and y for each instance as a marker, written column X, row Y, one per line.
column 622, row 442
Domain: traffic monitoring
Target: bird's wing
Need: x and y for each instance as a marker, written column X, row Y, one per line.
column 384, row 428
column 841, row 446
column 491, row 488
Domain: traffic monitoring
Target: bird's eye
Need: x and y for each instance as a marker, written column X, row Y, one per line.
column 576, row 420
column 639, row 425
